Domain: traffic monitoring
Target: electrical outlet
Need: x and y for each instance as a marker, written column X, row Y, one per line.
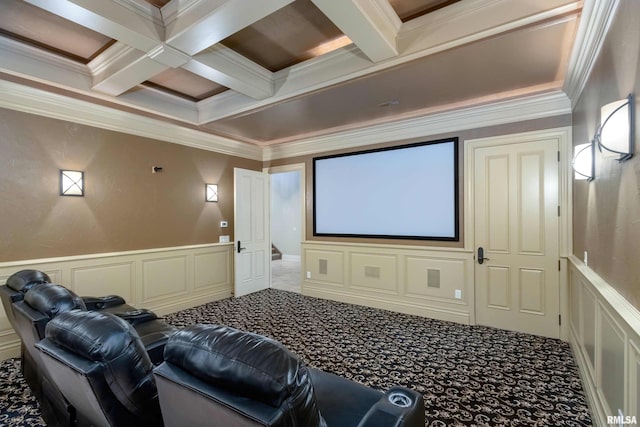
column 308, row 275
column 224, row 224
column 224, row 239
column 458, row 294
column 586, row 258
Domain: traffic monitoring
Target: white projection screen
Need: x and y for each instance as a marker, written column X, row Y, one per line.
column 402, row 192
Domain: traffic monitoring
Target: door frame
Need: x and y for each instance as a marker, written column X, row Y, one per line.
column 565, row 195
column 294, row 167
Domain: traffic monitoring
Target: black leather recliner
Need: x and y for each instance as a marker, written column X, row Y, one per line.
column 219, row 376
column 44, row 302
column 17, row 285
column 100, row 364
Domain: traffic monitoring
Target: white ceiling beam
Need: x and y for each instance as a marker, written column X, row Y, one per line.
column 228, row 68
column 203, row 24
column 131, row 26
column 418, row 38
column 372, row 25
column 121, row 67
column 57, row 71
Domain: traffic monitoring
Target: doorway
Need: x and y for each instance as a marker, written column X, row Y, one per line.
column 286, row 228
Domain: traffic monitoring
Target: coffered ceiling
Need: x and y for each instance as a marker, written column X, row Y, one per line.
column 266, row 72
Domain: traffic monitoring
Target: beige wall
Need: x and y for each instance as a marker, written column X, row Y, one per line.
column 607, row 210
column 125, row 207
column 527, row 126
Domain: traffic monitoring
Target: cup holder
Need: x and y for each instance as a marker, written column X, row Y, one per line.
column 400, row 399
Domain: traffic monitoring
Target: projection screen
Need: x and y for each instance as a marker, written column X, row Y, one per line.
column 402, row 192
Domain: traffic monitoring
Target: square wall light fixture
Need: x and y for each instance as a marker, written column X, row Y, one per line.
column 71, row 183
column 211, row 192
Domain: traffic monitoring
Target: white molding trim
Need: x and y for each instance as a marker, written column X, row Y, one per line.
column 497, row 113
column 36, row 101
column 616, row 302
column 597, row 16
column 109, row 254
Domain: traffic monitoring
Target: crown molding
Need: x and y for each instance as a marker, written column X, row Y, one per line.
column 18, row 97
column 597, row 17
column 496, row 113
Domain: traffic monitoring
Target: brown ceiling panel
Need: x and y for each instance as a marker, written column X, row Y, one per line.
column 186, row 84
column 43, row 29
column 410, row 9
column 286, row 37
column 512, row 62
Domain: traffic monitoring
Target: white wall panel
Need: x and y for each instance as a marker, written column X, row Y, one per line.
column 166, row 277
column 211, row 269
column 94, row 280
column 164, row 280
column 608, row 351
column 400, row 278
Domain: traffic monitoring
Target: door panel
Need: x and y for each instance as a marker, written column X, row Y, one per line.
column 252, row 249
column 516, row 223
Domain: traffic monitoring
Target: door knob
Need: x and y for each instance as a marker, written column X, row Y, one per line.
column 239, row 247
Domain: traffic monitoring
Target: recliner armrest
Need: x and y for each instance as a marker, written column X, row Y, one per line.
column 99, row 303
column 136, row 316
column 399, row 407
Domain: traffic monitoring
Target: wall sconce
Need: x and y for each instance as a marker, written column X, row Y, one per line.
column 211, row 192
column 616, row 134
column 583, row 164
column 71, row 183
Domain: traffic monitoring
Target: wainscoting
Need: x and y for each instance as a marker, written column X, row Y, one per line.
column 163, row 280
column 400, row 278
column 605, row 336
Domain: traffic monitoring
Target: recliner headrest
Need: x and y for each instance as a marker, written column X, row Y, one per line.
column 248, row 364
column 114, row 343
column 53, row 299
column 23, row 280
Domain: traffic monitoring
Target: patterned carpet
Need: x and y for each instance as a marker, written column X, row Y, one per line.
column 469, row 375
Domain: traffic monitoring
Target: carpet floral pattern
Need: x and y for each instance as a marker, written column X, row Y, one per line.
column 18, row 407
column 469, row 375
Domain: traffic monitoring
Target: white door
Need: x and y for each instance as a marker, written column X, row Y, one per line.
column 252, row 241
column 517, row 228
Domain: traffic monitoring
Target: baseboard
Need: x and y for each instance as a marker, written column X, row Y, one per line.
column 438, row 313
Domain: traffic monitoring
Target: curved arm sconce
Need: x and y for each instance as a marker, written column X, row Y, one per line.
column 583, row 164
column 616, row 134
